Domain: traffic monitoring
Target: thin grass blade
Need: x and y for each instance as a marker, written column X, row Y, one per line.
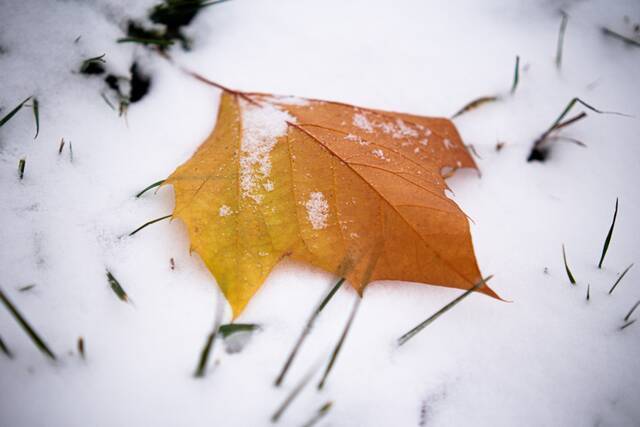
column 36, row 115
column 154, row 185
column 632, row 310
column 39, row 342
column 13, row 112
column 116, row 287
column 620, row 278
column 146, row 224
column 566, row 267
column 607, row 240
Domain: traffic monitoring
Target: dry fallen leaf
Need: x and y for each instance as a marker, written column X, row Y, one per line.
column 326, row 183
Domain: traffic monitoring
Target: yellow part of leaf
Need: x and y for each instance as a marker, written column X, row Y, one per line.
column 354, row 191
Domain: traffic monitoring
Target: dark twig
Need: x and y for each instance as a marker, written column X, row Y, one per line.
column 620, row 278
column 607, row 240
column 407, row 336
column 42, row 346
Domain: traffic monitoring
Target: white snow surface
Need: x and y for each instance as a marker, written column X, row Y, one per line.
column 547, row 357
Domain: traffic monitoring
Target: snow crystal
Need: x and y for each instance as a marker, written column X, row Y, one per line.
column 225, row 210
column 379, row 154
column 261, row 127
column 289, row 100
column 317, row 210
column 361, row 121
column 447, row 143
column 356, row 138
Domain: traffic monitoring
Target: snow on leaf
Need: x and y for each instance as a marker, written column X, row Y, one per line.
column 300, row 181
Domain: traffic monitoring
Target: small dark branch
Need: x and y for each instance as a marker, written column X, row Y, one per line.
column 629, row 323
column 154, row 185
column 607, row 240
column 516, row 76
column 588, row 291
column 5, row 349
column 320, row 413
column 570, row 121
column 291, row 397
column 563, row 28
column 219, row 86
column 13, row 112
column 566, row 266
column 21, row 165
column 632, row 310
column 306, row 330
column 475, row 104
column 338, row 347
column 149, row 223
column 620, row 278
column 407, row 336
column 117, row 289
column 26, row 326
column 61, row 146
column 80, row 346
column 36, row 115
column 627, row 40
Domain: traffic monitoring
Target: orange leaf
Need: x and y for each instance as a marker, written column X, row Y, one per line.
column 354, row 191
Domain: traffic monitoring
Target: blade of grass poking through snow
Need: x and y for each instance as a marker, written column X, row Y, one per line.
column 232, row 328
column 406, row 337
column 36, row 115
column 5, row 349
column 620, row 278
column 26, row 288
column 607, row 240
column 107, row 101
column 588, row 291
column 80, row 346
column 201, row 369
column 13, row 112
column 629, row 323
column 61, row 146
column 294, row 393
column 620, row 37
column 563, row 28
column 631, row 311
column 42, row 346
column 338, row 347
column 87, row 64
column 117, row 289
column 143, row 41
column 154, row 185
column 21, row 165
column 320, row 413
column 70, row 152
column 536, row 152
column 516, row 76
column 153, row 221
column 566, row 266
column 307, row 330
column 475, row 104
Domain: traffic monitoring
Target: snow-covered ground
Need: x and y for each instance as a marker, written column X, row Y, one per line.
column 547, row 358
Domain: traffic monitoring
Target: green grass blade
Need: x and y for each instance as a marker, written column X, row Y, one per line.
column 607, row 240
column 144, row 41
column 36, row 115
column 566, row 267
column 13, row 112
column 620, row 278
column 516, row 76
column 407, row 336
column 39, row 342
column 153, row 221
column 201, row 369
column 472, row 105
column 320, row 413
column 116, row 287
column 5, row 349
column 306, row 331
column 21, row 165
column 154, row 185
column 338, row 347
column 629, row 323
column 291, row 397
column 232, row 328
column 632, row 310
column 563, row 28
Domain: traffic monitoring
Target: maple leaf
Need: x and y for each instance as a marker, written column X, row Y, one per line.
column 355, row 191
